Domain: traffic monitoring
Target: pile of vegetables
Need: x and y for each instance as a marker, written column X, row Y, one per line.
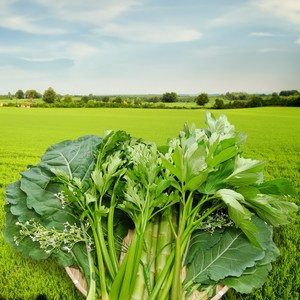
column 198, row 213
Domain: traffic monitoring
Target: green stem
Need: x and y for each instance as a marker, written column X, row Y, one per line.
column 143, row 275
column 117, row 283
column 141, row 226
column 162, row 276
column 102, row 241
column 91, row 294
column 110, row 236
column 169, row 281
column 152, row 254
column 126, row 284
column 163, row 244
column 104, row 250
column 101, row 267
column 176, row 291
column 195, row 210
column 137, row 260
column 166, row 290
column 167, row 273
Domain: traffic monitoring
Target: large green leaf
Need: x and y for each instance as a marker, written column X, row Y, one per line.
column 223, row 259
column 238, row 213
column 224, row 155
column 194, row 159
column 34, row 196
column 16, row 202
column 256, row 276
column 249, row 279
column 212, row 256
column 202, row 240
column 273, row 208
column 216, row 178
column 278, row 187
column 246, row 171
column 40, row 190
column 75, row 157
column 41, row 197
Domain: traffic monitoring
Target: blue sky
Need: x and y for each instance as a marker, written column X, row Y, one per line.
column 149, row 46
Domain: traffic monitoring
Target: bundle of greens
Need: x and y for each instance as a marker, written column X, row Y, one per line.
column 199, row 213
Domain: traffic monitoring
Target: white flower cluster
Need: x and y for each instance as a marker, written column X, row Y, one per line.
column 216, row 220
column 51, row 239
column 62, row 198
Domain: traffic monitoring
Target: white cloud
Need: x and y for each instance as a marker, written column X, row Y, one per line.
column 92, row 11
column 29, row 25
column 288, row 10
column 11, row 75
column 9, row 50
column 5, row 5
column 74, row 50
column 211, row 51
column 259, row 10
column 151, row 33
column 297, row 41
column 262, row 34
column 235, row 15
column 44, row 59
column 79, row 12
column 268, row 50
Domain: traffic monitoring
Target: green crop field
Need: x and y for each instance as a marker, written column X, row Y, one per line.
column 273, row 135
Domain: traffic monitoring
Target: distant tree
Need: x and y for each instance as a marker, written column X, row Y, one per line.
column 236, row 96
column 19, row 94
column 58, row 97
column 242, row 97
column 230, row 96
column 238, row 104
column 289, row 93
column 118, row 99
column 275, row 95
column 49, row 95
column 272, row 99
column 294, row 101
column 68, row 98
column 255, row 101
column 85, row 99
column 153, row 99
column 137, row 101
column 32, row 94
column 104, row 98
column 219, row 104
column 169, row 97
column 202, row 99
column 91, row 103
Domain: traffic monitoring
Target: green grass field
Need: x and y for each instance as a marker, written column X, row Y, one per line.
column 273, row 135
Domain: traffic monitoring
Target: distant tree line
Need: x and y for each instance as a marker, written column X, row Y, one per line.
column 229, row 100
column 239, row 100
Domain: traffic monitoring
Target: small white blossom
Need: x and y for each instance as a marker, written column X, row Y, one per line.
column 51, row 239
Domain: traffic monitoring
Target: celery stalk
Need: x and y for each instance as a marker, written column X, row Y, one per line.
column 143, row 274
column 152, row 254
column 164, row 245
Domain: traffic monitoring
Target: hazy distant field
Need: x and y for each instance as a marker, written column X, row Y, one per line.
column 273, row 135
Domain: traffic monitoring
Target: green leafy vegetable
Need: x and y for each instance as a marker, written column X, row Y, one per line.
column 228, row 256
column 195, row 206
